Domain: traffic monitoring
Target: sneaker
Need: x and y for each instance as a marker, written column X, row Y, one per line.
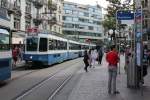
column 116, row 92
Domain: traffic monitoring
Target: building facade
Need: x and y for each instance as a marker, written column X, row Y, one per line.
column 25, row 14
column 146, row 21
column 83, row 22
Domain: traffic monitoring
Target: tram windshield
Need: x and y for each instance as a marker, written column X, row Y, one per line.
column 32, row 44
column 4, row 41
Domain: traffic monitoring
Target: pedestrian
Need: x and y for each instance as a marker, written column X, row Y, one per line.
column 94, row 56
column 15, row 56
column 86, row 60
column 90, row 58
column 112, row 59
column 100, row 55
column 20, row 53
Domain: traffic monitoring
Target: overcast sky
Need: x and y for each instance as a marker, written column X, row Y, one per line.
column 103, row 3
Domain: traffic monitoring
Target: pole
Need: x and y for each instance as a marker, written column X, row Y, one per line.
column 118, row 40
column 142, row 52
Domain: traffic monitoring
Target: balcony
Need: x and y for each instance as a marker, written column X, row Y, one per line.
column 38, row 3
column 52, row 21
column 13, row 8
column 28, row 13
column 52, row 6
column 38, row 20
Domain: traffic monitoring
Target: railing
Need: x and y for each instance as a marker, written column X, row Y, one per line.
column 38, row 3
column 37, row 20
column 52, row 7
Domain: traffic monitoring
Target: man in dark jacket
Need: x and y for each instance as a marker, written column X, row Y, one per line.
column 86, row 61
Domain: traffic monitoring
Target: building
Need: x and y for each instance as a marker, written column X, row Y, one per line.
column 26, row 14
column 146, row 21
column 82, row 22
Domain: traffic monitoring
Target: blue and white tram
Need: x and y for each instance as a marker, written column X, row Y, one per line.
column 5, row 54
column 49, row 49
column 74, row 49
column 46, row 49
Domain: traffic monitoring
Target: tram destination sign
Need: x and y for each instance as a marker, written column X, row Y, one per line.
column 32, row 32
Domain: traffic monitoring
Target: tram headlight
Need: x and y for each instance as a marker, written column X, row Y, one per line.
column 30, row 57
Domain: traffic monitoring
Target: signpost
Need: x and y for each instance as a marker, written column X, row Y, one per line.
column 139, row 46
column 123, row 15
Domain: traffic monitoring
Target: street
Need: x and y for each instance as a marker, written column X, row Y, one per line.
column 68, row 81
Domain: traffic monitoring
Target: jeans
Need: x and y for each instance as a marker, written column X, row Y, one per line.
column 112, row 78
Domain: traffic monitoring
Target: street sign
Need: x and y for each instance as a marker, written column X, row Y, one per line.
column 125, row 15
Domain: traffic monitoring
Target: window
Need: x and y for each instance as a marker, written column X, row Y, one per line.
column 86, row 14
column 68, row 25
column 68, row 11
column 57, row 45
column 75, row 12
column 90, row 27
column 32, row 44
column 16, row 23
column 75, row 19
column 28, row 7
column 82, row 27
column 28, row 24
column 68, row 18
column 3, row 3
column 69, row 6
column 43, row 45
column 81, row 14
column 55, row 28
column 4, row 42
column 59, row 29
column 73, row 46
column 52, row 44
column 59, row 18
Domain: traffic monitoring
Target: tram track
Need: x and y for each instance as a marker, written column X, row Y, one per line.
column 61, row 86
column 28, row 73
column 39, row 84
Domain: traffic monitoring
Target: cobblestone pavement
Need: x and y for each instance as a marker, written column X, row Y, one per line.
column 93, row 86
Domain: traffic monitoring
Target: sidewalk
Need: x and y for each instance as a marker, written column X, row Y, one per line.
column 93, row 86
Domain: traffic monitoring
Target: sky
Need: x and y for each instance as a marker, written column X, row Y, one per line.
column 103, row 3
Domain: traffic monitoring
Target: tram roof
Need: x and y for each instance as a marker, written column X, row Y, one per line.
column 3, row 31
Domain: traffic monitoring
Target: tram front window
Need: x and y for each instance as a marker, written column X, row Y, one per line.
column 4, row 42
column 32, row 44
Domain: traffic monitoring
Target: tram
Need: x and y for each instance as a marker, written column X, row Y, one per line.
column 48, row 49
column 5, row 54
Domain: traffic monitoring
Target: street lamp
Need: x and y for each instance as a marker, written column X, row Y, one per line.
column 112, row 34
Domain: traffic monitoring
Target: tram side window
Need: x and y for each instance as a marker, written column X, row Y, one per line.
column 61, row 45
column 52, row 44
column 74, row 46
column 43, row 44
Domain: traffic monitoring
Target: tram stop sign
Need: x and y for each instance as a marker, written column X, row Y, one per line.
column 125, row 15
